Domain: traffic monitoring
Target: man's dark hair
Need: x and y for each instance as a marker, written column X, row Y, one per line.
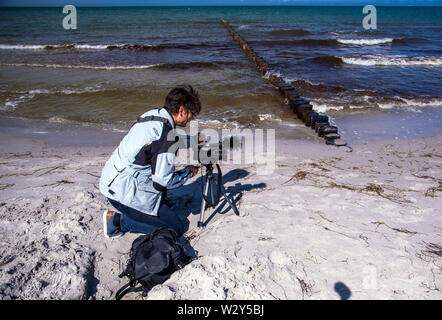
column 183, row 95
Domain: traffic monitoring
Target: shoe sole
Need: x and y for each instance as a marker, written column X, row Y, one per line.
column 105, row 227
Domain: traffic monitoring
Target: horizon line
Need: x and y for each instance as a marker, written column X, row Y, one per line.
column 231, row 5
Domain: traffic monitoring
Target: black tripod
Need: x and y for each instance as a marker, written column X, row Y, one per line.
column 208, row 182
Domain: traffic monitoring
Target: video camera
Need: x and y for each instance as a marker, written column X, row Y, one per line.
column 215, row 152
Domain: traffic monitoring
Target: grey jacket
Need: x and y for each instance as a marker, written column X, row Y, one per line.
column 142, row 167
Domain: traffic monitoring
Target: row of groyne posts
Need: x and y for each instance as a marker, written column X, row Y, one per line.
column 300, row 106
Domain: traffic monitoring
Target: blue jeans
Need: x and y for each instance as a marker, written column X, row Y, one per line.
column 134, row 221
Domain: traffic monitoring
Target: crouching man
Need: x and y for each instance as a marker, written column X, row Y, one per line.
column 141, row 169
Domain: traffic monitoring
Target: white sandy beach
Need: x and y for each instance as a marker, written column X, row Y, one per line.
column 326, row 224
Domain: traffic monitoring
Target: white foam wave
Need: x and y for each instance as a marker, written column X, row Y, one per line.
column 91, row 47
column 369, row 42
column 22, row 47
column 357, row 106
column 268, row 117
column 56, row 46
column 265, row 116
column 435, row 102
column 119, row 130
column 399, row 102
column 62, row 66
column 220, row 124
column 387, row 106
column 12, row 104
column 289, row 80
column 57, row 119
column 394, row 61
column 269, row 73
column 370, row 102
column 322, row 108
column 79, row 91
column 421, row 102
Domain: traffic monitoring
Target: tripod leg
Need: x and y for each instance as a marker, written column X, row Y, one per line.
column 203, row 202
column 231, row 204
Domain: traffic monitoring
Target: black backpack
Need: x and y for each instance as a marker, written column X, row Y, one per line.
column 152, row 260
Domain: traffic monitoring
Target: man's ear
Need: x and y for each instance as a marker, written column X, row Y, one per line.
column 181, row 109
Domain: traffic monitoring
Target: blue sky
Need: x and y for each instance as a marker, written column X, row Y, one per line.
column 62, row 3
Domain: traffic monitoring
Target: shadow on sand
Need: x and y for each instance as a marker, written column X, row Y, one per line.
column 187, row 199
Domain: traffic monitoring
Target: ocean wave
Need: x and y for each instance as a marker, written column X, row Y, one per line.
column 268, row 117
column 373, row 60
column 355, row 32
column 238, row 118
column 11, row 104
column 57, row 119
column 151, row 47
column 339, row 42
column 78, row 47
column 368, row 42
column 367, row 102
column 313, row 87
column 335, row 98
column 324, row 107
column 81, row 66
column 86, row 123
column 217, row 124
column 22, row 47
column 52, row 46
column 400, row 102
column 393, row 61
column 137, row 47
column 87, row 89
column 421, row 102
column 160, row 66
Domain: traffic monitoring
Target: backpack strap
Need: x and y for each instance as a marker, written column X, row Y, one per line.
column 127, row 288
column 152, row 118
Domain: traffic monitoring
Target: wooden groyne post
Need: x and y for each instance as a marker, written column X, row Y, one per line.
column 299, row 105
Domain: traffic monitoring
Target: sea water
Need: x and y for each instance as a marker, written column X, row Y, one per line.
column 122, row 61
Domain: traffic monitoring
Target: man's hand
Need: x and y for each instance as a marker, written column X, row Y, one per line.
column 193, row 169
